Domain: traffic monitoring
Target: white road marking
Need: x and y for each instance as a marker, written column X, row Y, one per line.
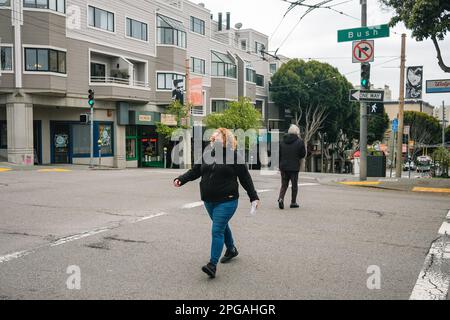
column 433, row 282
column 445, row 229
column 308, row 184
column 13, row 256
column 448, row 215
column 264, row 190
column 151, row 217
column 192, row 205
column 78, row 237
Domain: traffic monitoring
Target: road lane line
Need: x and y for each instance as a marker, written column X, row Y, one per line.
column 192, row 205
column 448, row 215
column 14, row 255
column 5, row 169
column 264, row 190
column 54, row 170
column 310, row 184
column 445, row 229
column 151, row 217
column 78, row 237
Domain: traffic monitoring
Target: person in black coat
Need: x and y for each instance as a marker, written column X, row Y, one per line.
column 292, row 151
column 219, row 191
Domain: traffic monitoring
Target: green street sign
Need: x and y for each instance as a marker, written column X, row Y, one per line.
column 364, row 33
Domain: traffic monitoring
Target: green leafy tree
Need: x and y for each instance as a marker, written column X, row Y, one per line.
column 442, row 156
column 180, row 112
column 377, row 126
column 239, row 115
column 317, row 96
column 427, row 19
column 447, row 135
column 424, row 129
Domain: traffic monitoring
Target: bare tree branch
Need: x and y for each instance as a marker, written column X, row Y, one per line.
column 441, row 63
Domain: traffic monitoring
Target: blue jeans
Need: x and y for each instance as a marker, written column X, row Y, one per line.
column 220, row 214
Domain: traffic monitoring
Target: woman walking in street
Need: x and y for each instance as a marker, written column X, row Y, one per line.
column 219, row 190
column 292, row 151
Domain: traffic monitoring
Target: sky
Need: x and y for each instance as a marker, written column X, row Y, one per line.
column 316, row 37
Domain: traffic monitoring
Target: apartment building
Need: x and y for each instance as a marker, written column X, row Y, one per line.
column 130, row 53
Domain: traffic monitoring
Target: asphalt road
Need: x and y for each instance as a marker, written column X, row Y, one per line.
column 133, row 236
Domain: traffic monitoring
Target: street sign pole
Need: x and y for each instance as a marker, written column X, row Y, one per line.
column 91, row 161
column 363, row 120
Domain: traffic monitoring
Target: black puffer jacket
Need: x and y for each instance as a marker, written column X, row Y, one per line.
column 292, row 150
column 219, row 182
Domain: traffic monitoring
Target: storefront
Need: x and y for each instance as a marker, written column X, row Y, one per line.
column 144, row 147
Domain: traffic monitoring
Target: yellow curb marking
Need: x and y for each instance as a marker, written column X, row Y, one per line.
column 54, row 170
column 361, row 183
column 436, row 190
column 5, row 169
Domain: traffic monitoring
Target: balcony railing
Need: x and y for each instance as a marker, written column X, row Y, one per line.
column 122, row 81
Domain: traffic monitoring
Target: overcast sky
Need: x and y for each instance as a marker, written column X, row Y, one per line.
column 316, row 37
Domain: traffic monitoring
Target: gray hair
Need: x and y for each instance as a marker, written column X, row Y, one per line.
column 294, row 130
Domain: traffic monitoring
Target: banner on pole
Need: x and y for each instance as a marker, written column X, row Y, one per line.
column 414, row 82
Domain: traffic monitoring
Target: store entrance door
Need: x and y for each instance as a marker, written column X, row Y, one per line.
column 60, row 133
column 149, row 148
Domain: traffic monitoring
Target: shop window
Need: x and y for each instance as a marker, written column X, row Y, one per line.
column 105, row 139
column 81, row 144
column 3, row 135
column 131, row 143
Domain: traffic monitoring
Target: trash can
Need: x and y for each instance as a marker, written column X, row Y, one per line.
column 376, row 166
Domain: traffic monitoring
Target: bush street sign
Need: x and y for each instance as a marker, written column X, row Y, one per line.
column 367, row 95
column 364, row 33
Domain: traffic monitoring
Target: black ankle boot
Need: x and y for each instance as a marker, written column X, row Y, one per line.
column 229, row 254
column 281, row 204
column 210, row 270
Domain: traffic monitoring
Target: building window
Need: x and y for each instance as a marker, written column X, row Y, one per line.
column 260, row 80
column 273, row 68
column 137, row 30
column 55, row 5
column 171, row 32
column 81, row 134
column 6, row 58
column 219, row 106
column 198, row 65
column 244, row 45
column 45, row 60
column 259, row 104
column 259, row 47
column 3, row 135
column 222, row 65
column 101, row 19
column 250, row 75
column 5, row 3
column 197, row 26
column 165, row 80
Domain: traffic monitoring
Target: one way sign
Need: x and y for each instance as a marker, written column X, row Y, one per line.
column 367, row 95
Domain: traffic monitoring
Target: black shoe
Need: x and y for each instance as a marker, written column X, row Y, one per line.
column 294, row 206
column 229, row 254
column 210, row 270
column 281, row 204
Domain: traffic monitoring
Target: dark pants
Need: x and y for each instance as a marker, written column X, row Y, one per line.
column 287, row 176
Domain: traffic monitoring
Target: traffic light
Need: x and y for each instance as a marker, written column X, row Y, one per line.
column 91, row 100
column 365, row 76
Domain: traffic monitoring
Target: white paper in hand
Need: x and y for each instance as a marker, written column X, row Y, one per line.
column 253, row 209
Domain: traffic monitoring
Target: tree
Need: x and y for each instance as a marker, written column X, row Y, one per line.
column 239, row 115
column 180, row 112
column 426, row 19
column 424, row 129
column 376, row 127
column 447, row 135
column 442, row 156
column 317, row 96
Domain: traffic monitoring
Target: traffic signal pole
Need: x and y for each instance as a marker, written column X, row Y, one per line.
column 91, row 102
column 363, row 119
column 399, row 162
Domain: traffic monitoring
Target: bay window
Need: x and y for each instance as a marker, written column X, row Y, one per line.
column 45, row 60
column 222, row 65
column 171, row 32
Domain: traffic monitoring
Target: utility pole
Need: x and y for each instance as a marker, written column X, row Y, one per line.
column 398, row 171
column 363, row 119
column 187, row 140
column 443, row 124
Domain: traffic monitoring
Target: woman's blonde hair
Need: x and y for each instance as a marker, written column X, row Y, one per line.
column 228, row 138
